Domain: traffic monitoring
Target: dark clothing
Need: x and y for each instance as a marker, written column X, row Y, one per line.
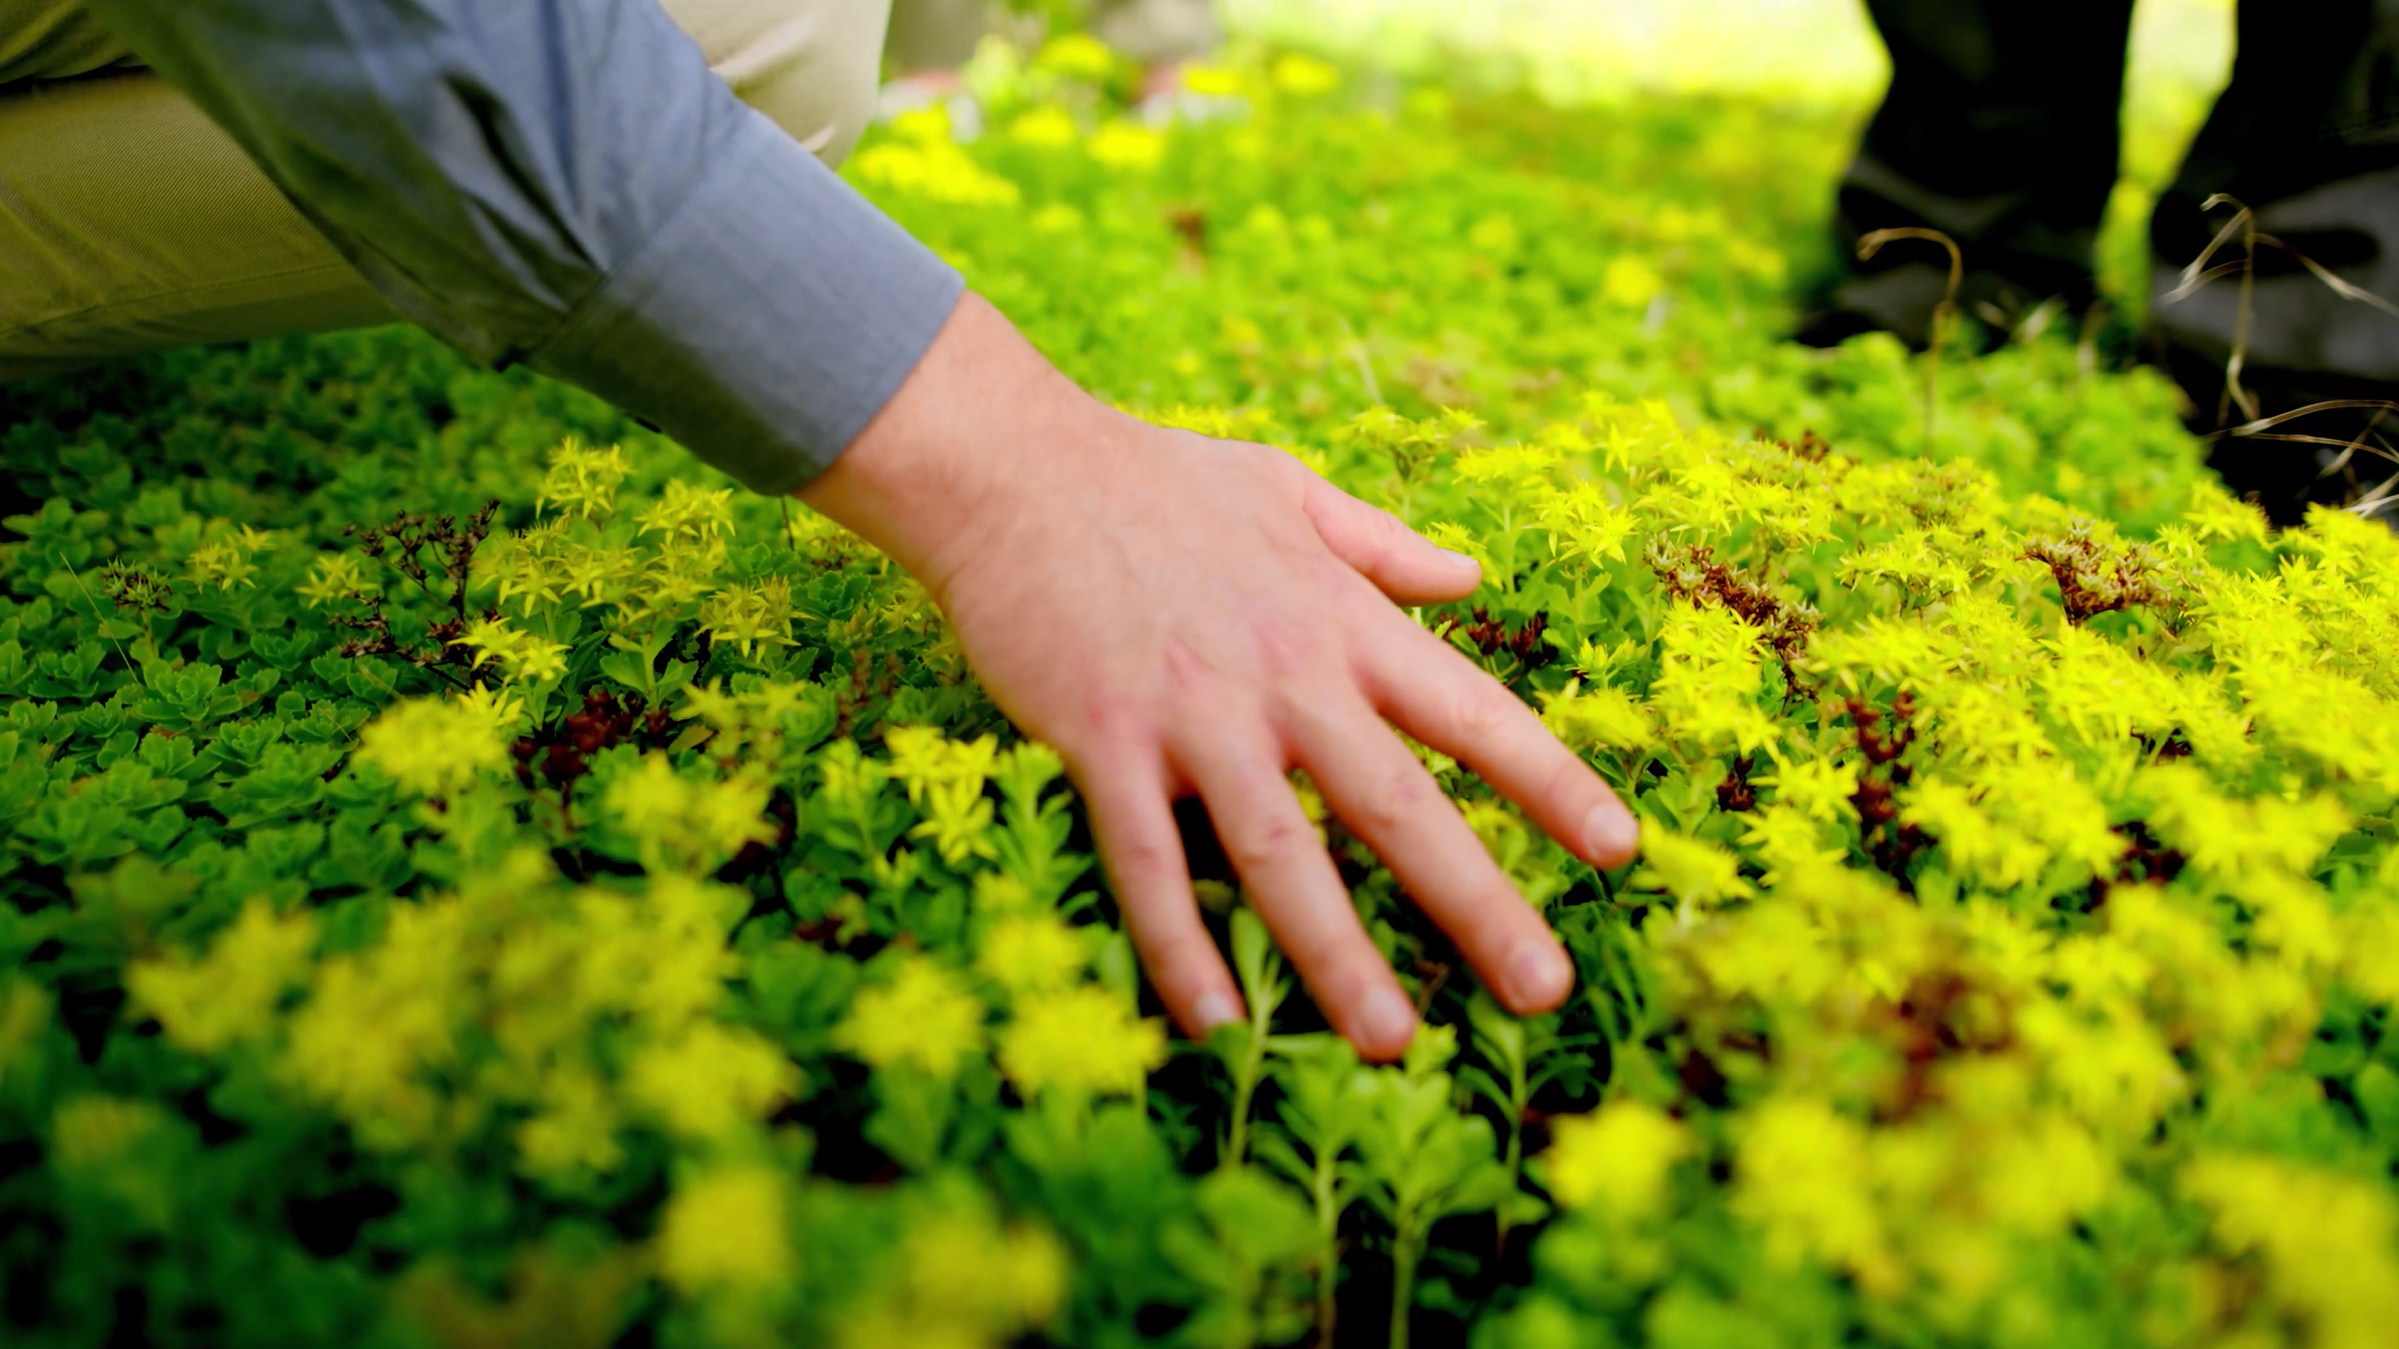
column 2001, row 130
column 2314, row 100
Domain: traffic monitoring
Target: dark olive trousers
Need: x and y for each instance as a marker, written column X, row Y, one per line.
column 2000, row 130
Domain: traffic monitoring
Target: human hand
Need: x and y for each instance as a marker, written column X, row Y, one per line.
column 1177, row 615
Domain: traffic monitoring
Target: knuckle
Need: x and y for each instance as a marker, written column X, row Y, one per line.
column 1104, row 731
column 1379, row 538
column 1190, row 671
column 1398, row 802
column 1284, row 652
column 1480, row 712
column 1143, row 864
column 1300, row 664
column 1272, row 841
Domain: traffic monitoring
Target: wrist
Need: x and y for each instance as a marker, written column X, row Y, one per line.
column 975, row 433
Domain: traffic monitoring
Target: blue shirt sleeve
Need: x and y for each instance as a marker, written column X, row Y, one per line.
column 565, row 183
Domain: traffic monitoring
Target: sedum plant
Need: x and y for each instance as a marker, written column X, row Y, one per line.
column 472, row 878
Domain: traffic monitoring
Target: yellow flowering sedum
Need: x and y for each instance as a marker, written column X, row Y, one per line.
column 1709, row 681
column 435, row 746
column 959, row 1279
column 491, row 998
column 1080, row 1042
column 1601, row 718
column 1031, row 953
column 684, row 824
column 334, row 577
column 926, row 762
column 945, row 779
column 582, row 480
column 1306, row 76
column 1127, row 146
column 922, row 161
column 711, row 1080
column 2330, row 1246
column 119, row 1148
column 378, row 1025
column 1615, row 1159
column 227, row 562
column 2009, row 824
column 88, row 1132
column 1805, row 1177
column 924, row 1018
column 1697, row 873
column 750, row 613
column 574, row 1133
column 207, row 1003
column 727, row 1229
column 522, row 656
column 1046, row 125
column 24, row 1013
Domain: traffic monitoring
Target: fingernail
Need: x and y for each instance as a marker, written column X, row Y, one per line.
column 1213, row 1010
column 1538, row 974
column 1466, row 558
column 1610, row 834
column 1387, row 1020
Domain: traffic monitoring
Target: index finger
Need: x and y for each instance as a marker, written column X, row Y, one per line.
column 1433, row 693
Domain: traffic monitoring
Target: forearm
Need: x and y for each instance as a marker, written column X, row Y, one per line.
column 569, row 186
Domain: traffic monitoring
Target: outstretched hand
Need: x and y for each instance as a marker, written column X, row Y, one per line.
column 1181, row 616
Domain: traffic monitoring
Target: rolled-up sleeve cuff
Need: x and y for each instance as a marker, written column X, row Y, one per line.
column 767, row 321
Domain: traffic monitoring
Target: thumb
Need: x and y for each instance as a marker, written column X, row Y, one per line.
column 1402, row 563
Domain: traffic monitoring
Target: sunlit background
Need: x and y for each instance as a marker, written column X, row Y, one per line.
column 1812, row 51
column 1581, row 50
column 1584, row 49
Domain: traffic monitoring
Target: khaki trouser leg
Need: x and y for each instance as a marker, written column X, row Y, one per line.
column 941, row 34
column 1157, row 31
column 934, row 34
column 129, row 222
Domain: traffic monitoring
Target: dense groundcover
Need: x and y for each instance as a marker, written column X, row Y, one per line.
column 473, row 877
